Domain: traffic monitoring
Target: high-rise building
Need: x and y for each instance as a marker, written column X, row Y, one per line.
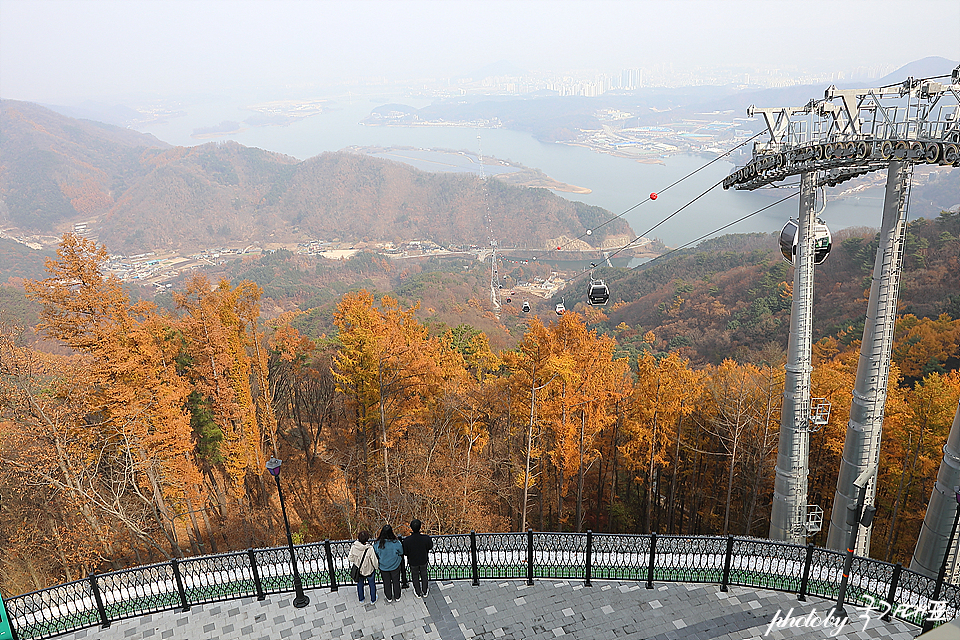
column 631, row 79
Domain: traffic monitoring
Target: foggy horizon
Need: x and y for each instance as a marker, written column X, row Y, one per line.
column 63, row 52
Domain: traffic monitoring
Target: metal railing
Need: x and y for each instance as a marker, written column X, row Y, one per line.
column 100, row 599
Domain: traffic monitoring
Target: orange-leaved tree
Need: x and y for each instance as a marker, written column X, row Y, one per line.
column 135, row 419
column 389, row 369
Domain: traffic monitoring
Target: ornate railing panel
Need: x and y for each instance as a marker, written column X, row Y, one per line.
column 128, row 594
column 825, row 572
column 276, row 571
column 312, row 563
column 59, row 609
column 499, row 555
column 620, row 557
column 559, row 555
column 216, row 578
column 686, row 559
column 886, row 590
column 767, row 564
column 869, row 581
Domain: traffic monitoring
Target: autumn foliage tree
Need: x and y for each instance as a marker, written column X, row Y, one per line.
column 133, row 421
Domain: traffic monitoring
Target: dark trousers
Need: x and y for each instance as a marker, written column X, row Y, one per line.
column 391, row 583
column 420, row 576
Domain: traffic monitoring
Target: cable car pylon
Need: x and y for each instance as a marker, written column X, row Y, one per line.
column 788, row 519
column 850, row 132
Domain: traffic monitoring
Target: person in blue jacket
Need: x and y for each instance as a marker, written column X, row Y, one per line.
column 389, row 555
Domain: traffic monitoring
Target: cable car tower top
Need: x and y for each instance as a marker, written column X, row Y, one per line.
column 851, row 132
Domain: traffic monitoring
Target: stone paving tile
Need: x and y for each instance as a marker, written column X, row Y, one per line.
column 507, row 610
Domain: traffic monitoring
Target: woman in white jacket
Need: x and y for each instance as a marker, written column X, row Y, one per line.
column 362, row 555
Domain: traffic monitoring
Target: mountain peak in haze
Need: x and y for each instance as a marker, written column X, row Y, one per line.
column 928, row 67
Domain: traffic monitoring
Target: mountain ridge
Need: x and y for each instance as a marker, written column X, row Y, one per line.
column 137, row 193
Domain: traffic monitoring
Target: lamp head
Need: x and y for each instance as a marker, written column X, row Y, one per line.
column 273, row 466
column 865, row 476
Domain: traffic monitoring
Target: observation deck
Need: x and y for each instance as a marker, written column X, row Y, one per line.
column 496, row 585
column 508, row 610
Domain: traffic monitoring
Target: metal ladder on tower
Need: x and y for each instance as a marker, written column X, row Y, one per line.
column 888, row 294
column 801, row 417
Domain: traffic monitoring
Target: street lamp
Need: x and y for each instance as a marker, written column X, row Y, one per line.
column 856, row 516
column 927, row 623
column 273, row 466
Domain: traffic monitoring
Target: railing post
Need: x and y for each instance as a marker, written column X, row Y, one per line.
column 653, row 555
column 104, row 621
column 586, row 581
column 805, row 580
column 726, row 564
column 473, row 559
column 184, row 605
column 330, row 568
column 529, row 556
column 256, row 575
column 894, row 583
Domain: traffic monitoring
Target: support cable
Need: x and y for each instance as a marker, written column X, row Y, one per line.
column 644, row 234
column 684, row 246
column 715, row 231
column 648, row 198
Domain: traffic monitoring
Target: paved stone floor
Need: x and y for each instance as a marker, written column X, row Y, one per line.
column 508, row 610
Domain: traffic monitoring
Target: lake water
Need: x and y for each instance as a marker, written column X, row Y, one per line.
column 617, row 184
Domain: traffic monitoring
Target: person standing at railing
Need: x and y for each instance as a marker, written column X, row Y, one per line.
column 416, row 546
column 390, row 554
column 363, row 556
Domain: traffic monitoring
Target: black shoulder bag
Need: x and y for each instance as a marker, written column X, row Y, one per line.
column 355, row 569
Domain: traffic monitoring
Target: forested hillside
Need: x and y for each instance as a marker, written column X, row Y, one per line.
column 144, row 435
column 56, row 169
column 138, row 195
column 730, row 297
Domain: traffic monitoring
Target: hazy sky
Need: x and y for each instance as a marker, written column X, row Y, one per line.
column 63, row 51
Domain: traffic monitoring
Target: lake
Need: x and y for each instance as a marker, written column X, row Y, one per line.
column 617, row 184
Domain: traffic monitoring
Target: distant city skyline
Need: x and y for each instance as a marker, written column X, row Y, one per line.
column 68, row 51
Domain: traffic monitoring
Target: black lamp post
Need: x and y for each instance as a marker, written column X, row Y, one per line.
column 856, row 516
column 273, row 466
column 927, row 623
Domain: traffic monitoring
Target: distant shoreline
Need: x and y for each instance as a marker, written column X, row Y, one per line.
column 217, row 134
column 463, row 161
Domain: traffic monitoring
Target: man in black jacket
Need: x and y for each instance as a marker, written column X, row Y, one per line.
column 415, row 547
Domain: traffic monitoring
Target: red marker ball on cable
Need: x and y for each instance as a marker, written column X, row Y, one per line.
column 653, row 196
column 558, row 248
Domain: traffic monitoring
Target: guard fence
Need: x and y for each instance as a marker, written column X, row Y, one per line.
column 101, row 599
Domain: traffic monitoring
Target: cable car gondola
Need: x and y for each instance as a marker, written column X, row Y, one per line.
column 560, row 308
column 597, row 294
column 526, row 307
column 822, row 241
